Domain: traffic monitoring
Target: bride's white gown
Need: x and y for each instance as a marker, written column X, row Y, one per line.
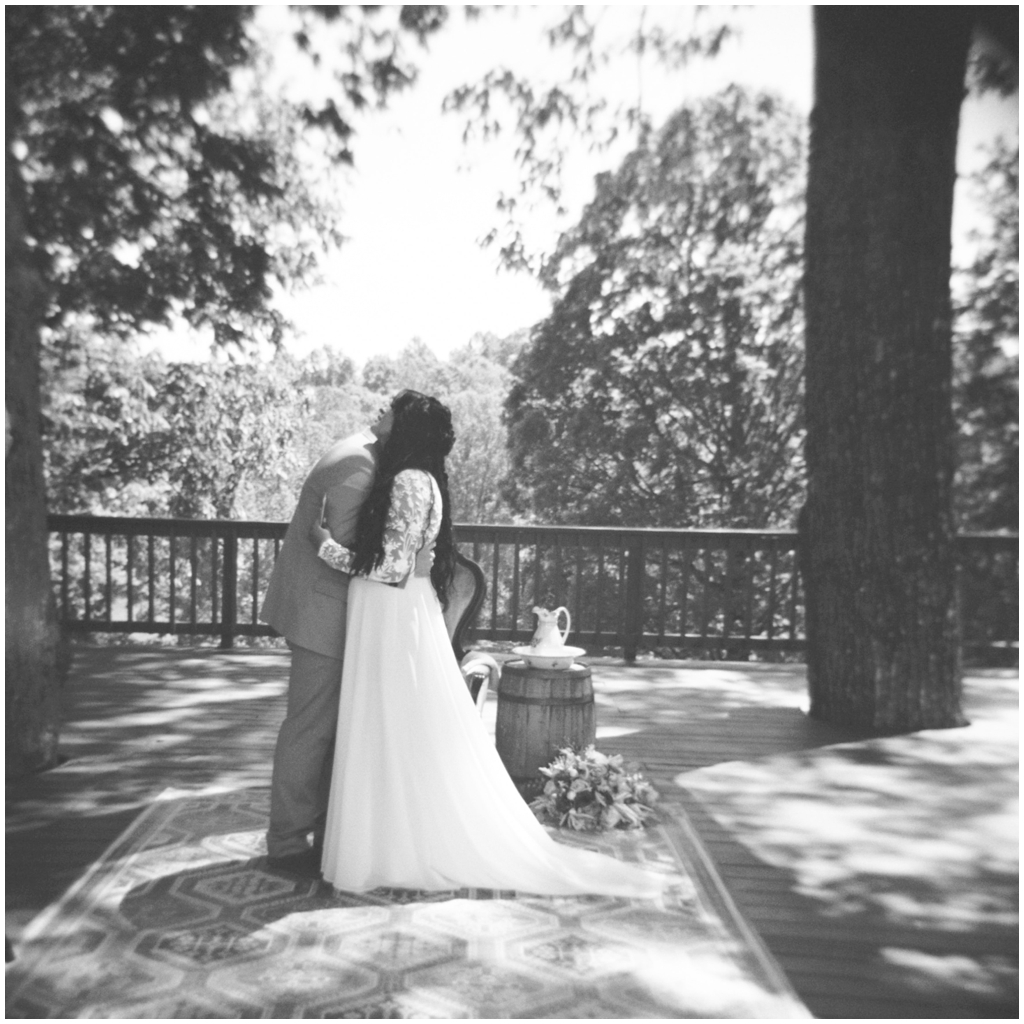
column 419, row 797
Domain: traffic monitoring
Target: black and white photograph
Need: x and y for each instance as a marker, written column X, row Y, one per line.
column 512, row 511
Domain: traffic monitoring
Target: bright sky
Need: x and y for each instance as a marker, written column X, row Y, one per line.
column 419, row 199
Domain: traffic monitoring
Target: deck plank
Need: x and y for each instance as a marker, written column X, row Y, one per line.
column 145, row 719
column 853, row 961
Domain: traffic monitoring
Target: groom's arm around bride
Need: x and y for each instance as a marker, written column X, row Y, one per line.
column 306, row 602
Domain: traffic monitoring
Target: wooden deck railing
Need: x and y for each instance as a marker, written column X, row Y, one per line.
column 713, row 593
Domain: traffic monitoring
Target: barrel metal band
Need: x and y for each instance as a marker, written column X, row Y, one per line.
column 558, row 702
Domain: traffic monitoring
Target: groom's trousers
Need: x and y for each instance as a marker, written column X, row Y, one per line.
column 304, row 756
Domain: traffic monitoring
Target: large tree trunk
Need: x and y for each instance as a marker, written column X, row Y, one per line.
column 878, row 544
column 33, row 657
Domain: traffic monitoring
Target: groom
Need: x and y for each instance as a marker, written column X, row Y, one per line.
column 306, row 602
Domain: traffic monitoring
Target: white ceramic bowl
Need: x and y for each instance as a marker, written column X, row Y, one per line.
column 559, row 657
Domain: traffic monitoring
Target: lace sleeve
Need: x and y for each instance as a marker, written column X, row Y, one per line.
column 336, row 555
column 411, row 498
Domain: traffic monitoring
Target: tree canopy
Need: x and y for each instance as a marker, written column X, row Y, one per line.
column 567, row 107
column 159, row 180
column 473, row 381
column 985, row 355
column 136, row 193
column 664, row 389
column 130, row 434
column 135, row 201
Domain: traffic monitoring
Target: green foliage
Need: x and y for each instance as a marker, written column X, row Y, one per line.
column 473, row 382
column 132, row 435
column 226, row 424
column 665, row 387
column 589, row 791
column 986, row 356
column 161, row 180
column 132, row 196
column 326, row 367
column 994, row 60
column 100, row 408
column 163, row 183
column 370, row 40
column 568, row 107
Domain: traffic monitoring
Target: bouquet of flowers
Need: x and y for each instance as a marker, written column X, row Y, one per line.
column 590, row 791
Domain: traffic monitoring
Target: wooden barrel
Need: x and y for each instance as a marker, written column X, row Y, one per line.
column 541, row 710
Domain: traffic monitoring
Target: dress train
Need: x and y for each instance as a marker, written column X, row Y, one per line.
column 420, row 798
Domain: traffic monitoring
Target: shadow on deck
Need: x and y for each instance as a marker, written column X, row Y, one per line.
column 881, row 874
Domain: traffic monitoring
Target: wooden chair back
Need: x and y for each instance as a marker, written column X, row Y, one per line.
column 464, row 600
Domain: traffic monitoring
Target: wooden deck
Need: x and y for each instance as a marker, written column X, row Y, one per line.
column 882, row 874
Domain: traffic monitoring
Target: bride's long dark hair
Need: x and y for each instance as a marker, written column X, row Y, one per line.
column 421, row 437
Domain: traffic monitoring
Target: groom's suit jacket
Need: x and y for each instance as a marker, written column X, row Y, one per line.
column 307, row 600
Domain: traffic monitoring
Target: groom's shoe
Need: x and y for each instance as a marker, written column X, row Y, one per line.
column 302, row 865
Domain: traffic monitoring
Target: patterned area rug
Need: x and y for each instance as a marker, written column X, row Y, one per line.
column 183, row 918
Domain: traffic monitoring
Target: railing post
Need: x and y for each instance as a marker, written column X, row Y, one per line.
column 634, row 611
column 229, row 596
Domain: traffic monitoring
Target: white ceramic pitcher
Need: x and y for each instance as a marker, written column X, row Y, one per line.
column 548, row 636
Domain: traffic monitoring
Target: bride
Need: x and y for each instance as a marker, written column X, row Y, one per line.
column 419, row 796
